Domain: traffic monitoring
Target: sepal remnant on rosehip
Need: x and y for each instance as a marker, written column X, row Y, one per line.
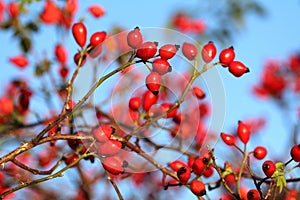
column 295, row 153
column 269, row 168
column 198, row 188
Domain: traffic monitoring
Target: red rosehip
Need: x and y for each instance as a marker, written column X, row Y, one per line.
column 113, row 165
column 230, row 179
column 166, row 107
column 199, row 165
column 177, row 164
column 96, row 10
column 19, row 61
column 13, row 9
column 61, row 54
column 260, row 152
column 95, row 51
column 183, row 175
column 161, row 66
column 134, row 38
column 168, row 51
column 135, row 103
column 97, row 38
column 6, row 106
column 153, row 82
column 269, row 168
column 79, row 33
column 198, row 188
column 237, row 68
column 146, row 50
column 227, row 56
column 149, row 99
column 295, row 152
column 199, row 93
column 72, row 159
column 243, row 132
column 228, row 139
column 109, row 148
column 63, row 72
column 253, row 195
column 103, row 133
column 191, row 161
column 189, row 51
column 77, row 59
column 208, row 172
column 209, row 52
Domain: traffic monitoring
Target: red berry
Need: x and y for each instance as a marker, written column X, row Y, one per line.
column 191, row 161
column 243, row 132
column 228, row 139
column 208, row 172
column 109, row 148
column 113, row 165
column 199, row 93
column 135, row 103
column 103, row 133
column 269, row 168
column 95, row 51
column 96, row 10
column 13, row 9
column 71, row 159
column 146, row 51
column 61, row 54
column 79, row 33
column 237, row 68
column 97, row 38
column 134, row 38
column 19, row 61
column 77, row 59
column 161, row 66
column 6, row 106
column 253, row 195
column 198, row 188
column 189, row 51
column 260, row 152
column 166, row 107
column 227, row 56
column 208, row 52
column 183, row 175
column 153, row 82
column 295, row 152
column 149, row 99
column 177, row 164
column 230, row 179
column 199, row 165
column 168, row 51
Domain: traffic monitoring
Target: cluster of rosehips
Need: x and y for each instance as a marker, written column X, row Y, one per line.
column 93, row 49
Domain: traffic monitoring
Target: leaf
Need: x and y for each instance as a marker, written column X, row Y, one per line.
column 281, row 182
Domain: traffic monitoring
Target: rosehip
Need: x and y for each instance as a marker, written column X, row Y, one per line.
column 109, row 148
column 77, row 59
column 183, row 175
column 79, row 33
column 96, row 10
column 168, row 51
column 198, row 188
column 228, row 139
column 149, row 99
column 161, row 66
column 199, row 165
column 253, row 195
column 199, row 93
column 243, row 132
column 146, row 51
column 166, row 107
column 103, row 133
column 189, row 51
column 13, row 9
column 209, row 52
column 269, row 168
column 237, row 68
column 135, row 103
column 260, row 152
column 191, row 161
column 97, row 38
column 227, row 56
column 61, row 54
column 134, row 38
column 177, row 164
column 72, row 159
column 19, row 61
column 153, row 82
column 95, row 51
column 113, row 165
column 208, row 172
column 295, row 152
